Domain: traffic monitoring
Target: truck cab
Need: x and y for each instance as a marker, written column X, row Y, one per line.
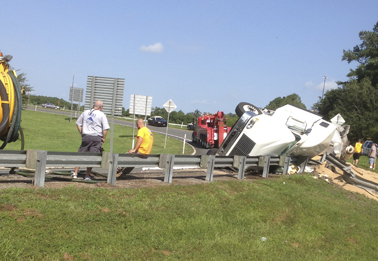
column 288, row 131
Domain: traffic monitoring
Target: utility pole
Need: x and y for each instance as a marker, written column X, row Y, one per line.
column 73, row 78
column 325, row 78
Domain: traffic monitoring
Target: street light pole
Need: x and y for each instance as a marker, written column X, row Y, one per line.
column 325, row 78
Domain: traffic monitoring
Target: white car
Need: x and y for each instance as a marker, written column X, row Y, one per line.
column 50, row 105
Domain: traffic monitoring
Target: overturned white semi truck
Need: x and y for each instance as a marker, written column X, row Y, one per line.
column 289, row 130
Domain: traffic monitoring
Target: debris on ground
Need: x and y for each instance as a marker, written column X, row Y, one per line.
column 336, row 178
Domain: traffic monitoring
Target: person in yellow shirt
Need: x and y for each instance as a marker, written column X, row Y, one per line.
column 357, row 152
column 145, row 140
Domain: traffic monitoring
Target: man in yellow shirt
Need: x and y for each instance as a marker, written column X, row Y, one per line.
column 145, row 140
column 357, row 152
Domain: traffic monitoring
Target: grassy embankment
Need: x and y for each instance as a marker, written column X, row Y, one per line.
column 301, row 219
column 52, row 132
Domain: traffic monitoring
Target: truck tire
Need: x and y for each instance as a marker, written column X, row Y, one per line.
column 245, row 106
column 193, row 138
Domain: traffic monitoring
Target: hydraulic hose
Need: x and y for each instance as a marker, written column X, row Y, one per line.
column 14, row 127
column 5, row 107
column 16, row 119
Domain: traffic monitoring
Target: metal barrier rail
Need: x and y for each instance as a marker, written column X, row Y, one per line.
column 12, row 158
column 39, row 160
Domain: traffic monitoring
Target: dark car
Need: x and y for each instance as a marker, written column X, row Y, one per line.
column 50, row 105
column 157, row 121
column 191, row 126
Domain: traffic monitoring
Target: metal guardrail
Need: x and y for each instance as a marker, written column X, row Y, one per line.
column 40, row 160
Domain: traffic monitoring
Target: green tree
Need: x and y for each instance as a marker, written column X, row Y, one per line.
column 21, row 78
column 357, row 103
column 125, row 113
column 156, row 111
column 366, row 54
column 231, row 119
column 292, row 99
column 356, row 99
column 181, row 117
column 22, row 81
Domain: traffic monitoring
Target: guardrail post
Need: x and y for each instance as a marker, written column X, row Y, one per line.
column 106, row 157
column 40, row 170
column 210, row 168
column 242, row 160
column 302, row 166
column 163, row 161
column 261, row 161
column 112, row 170
column 204, row 161
column 286, row 166
column 169, row 168
column 266, row 167
column 31, row 159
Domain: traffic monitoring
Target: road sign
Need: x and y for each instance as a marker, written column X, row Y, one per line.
column 76, row 94
column 108, row 90
column 169, row 106
column 140, row 104
column 338, row 119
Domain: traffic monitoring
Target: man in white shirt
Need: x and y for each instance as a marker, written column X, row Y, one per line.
column 372, row 156
column 93, row 127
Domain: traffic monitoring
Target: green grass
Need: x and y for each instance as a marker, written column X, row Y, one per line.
column 363, row 162
column 52, row 132
column 301, row 219
column 184, row 127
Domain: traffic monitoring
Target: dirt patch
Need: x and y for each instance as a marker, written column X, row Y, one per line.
column 335, row 177
column 136, row 179
column 7, row 207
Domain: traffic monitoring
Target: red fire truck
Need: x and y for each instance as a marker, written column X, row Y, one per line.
column 210, row 130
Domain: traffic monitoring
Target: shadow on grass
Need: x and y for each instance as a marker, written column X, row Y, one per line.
column 73, row 119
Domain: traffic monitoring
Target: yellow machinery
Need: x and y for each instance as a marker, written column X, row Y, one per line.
column 10, row 103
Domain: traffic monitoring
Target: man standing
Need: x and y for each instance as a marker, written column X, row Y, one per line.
column 93, row 127
column 357, row 152
column 145, row 140
column 372, row 156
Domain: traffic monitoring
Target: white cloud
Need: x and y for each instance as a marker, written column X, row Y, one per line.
column 327, row 86
column 309, row 85
column 154, row 48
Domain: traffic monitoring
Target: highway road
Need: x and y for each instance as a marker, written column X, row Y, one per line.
column 172, row 132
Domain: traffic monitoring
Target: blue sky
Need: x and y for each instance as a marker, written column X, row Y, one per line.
column 205, row 55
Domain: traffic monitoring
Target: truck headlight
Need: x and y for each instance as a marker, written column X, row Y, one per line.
column 252, row 122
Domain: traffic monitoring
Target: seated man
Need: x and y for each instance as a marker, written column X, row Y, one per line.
column 145, row 140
